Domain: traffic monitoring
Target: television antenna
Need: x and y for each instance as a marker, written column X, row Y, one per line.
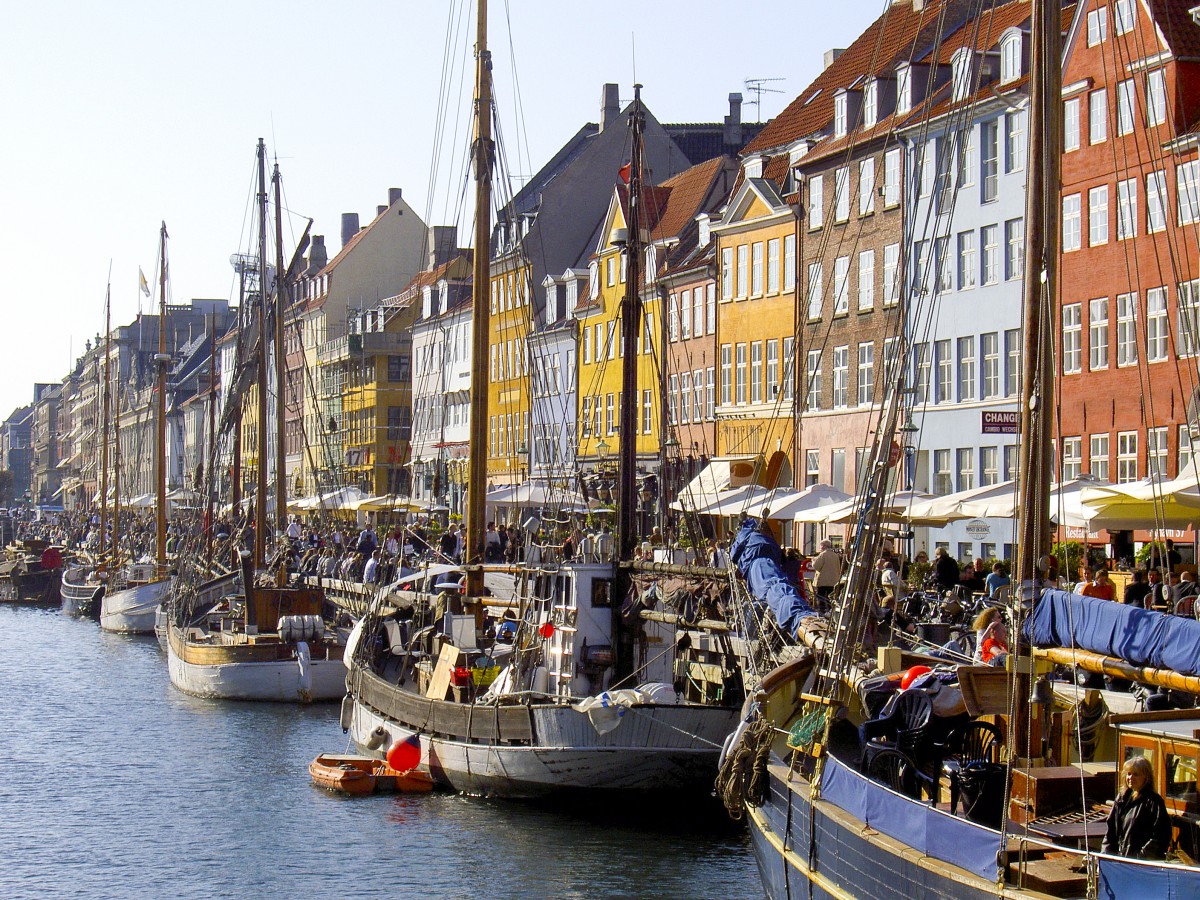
column 758, row 87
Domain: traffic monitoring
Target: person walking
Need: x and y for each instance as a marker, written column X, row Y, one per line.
column 828, row 568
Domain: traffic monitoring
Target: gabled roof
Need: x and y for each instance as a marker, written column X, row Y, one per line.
column 898, row 35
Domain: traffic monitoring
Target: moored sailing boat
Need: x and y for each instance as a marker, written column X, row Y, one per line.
column 837, row 811
column 130, row 608
column 544, row 676
column 251, row 635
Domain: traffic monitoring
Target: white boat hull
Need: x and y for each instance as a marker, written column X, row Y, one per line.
column 282, row 681
column 132, row 610
column 656, row 747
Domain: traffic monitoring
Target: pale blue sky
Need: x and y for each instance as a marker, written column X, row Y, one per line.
column 119, row 115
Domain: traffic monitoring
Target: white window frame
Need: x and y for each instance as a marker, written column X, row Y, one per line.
column 1126, row 107
column 841, row 285
column 1098, row 450
column 1127, row 462
column 1127, row 208
column 1156, row 97
column 990, row 259
column 1157, row 325
column 1071, row 223
column 968, row 262
column 989, row 369
column 891, row 275
column 841, row 377
column 866, row 373
column 1127, row 330
column 1098, row 116
column 891, row 178
column 866, row 186
column 1098, row 215
column 812, row 375
column 1156, row 202
column 1072, row 338
column 866, row 280
column 816, row 289
column 967, row 386
column 841, row 194
column 1098, row 337
column 1070, row 124
column 816, row 201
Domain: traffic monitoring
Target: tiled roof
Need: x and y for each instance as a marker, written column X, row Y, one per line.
column 898, row 35
column 688, row 191
column 1175, row 21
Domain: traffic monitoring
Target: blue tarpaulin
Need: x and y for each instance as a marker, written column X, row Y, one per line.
column 1120, row 878
column 757, row 557
column 1141, row 637
column 934, row 833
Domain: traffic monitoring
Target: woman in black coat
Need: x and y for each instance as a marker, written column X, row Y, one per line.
column 1138, row 826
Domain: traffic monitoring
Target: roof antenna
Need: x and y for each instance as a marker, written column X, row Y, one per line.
column 757, row 87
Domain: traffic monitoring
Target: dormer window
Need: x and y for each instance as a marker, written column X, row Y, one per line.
column 839, row 115
column 960, row 73
column 705, row 226
column 1010, row 57
column 870, row 110
column 904, row 89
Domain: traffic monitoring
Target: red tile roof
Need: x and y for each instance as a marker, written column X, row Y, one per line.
column 1173, row 18
column 898, row 35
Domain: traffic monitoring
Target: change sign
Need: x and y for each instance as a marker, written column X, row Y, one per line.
column 1001, row 422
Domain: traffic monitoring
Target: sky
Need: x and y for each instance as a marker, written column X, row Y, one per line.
column 119, row 116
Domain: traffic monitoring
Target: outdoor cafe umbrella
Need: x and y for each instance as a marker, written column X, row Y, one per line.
column 1149, row 503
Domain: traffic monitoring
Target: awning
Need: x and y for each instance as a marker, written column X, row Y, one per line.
column 721, row 474
column 813, row 497
column 533, row 493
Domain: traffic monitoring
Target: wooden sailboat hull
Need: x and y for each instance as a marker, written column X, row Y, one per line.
column 132, row 610
column 280, row 672
column 81, row 595
column 542, row 749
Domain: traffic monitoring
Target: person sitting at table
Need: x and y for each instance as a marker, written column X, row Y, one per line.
column 1137, row 590
column 991, row 637
column 1100, row 586
column 1138, row 826
column 996, row 580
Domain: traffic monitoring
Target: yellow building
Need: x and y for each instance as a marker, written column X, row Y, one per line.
column 756, row 328
column 508, row 369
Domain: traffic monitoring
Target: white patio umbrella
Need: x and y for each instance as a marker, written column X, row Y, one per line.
column 895, row 508
column 813, row 497
column 532, row 493
column 1066, row 507
column 952, row 507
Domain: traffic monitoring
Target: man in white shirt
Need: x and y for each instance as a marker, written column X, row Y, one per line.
column 828, row 568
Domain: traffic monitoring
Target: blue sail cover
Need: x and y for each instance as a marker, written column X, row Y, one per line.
column 1141, row 637
column 757, row 557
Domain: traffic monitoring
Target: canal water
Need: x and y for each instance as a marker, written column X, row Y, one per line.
column 114, row 784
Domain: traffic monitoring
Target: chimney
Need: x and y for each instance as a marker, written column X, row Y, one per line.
column 380, row 210
column 393, row 196
column 832, row 55
column 318, row 256
column 442, row 243
column 733, row 122
column 918, row 5
column 610, row 105
column 349, row 227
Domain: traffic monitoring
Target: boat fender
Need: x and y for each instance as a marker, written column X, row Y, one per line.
column 734, row 739
column 304, row 661
column 378, row 736
column 347, row 713
column 404, row 755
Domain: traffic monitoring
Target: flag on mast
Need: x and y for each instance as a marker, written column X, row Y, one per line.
column 143, row 283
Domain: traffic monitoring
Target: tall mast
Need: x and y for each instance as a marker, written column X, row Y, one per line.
column 1041, row 289
column 115, row 544
column 239, row 360
column 280, row 300
column 483, row 152
column 160, row 424
column 104, row 418
column 260, row 499
column 208, row 483
column 630, row 315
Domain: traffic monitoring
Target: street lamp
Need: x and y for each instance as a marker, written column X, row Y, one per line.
column 602, row 449
column 522, row 459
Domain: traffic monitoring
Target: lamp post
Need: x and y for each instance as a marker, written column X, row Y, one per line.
column 522, row 459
